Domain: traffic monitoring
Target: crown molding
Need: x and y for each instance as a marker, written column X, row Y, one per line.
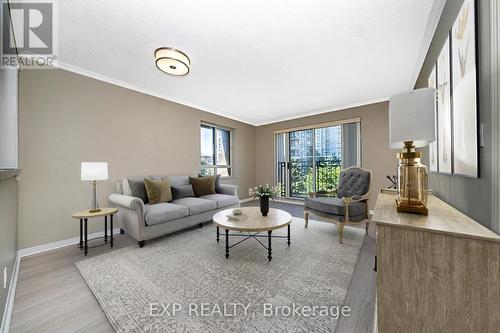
column 322, row 111
column 432, row 23
column 103, row 78
column 107, row 79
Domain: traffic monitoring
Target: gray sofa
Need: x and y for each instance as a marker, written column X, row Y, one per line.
column 144, row 221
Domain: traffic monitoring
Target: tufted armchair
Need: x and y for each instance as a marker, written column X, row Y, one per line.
column 345, row 205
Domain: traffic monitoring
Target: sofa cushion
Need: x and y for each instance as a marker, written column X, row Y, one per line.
column 203, row 185
column 334, row 206
column 164, row 212
column 196, row 205
column 158, row 191
column 223, row 200
column 182, row 191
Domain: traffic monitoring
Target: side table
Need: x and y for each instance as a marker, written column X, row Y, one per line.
column 85, row 215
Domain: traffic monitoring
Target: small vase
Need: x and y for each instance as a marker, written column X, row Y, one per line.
column 264, row 205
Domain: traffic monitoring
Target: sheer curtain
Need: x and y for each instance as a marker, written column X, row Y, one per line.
column 351, row 150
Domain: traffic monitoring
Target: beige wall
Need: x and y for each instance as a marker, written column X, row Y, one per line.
column 376, row 155
column 8, row 233
column 66, row 118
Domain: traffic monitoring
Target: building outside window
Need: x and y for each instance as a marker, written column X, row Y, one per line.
column 310, row 159
column 215, row 150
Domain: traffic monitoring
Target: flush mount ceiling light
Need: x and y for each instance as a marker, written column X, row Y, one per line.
column 172, row 61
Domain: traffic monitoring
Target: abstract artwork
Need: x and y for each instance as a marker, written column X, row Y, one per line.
column 444, row 110
column 433, row 146
column 463, row 58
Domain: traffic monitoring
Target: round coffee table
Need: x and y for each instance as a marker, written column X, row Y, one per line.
column 251, row 223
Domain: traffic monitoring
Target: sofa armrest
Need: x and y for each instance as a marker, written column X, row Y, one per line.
column 131, row 214
column 127, row 201
column 228, row 189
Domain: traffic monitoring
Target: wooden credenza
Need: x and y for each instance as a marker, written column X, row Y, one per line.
column 435, row 273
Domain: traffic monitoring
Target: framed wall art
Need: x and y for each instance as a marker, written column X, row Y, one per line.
column 464, row 92
column 433, row 146
column 445, row 159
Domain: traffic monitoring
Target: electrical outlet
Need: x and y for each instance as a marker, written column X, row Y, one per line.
column 5, row 277
column 372, row 212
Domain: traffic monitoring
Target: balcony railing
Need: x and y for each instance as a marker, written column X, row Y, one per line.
column 305, row 177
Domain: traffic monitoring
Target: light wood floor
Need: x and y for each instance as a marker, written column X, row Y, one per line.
column 52, row 297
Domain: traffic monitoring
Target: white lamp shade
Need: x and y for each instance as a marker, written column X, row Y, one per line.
column 94, row 171
column 412, row 117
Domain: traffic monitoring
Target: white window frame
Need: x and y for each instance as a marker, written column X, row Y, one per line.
column 229, row 167
column 312, row 127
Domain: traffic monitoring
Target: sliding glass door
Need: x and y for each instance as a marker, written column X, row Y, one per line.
column 310, row 160
column 301, row 162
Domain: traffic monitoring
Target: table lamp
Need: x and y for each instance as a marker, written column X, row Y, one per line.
column 412, row 124
column 94, row 171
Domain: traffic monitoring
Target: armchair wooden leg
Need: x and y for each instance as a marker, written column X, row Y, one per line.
column 367, row 224
column 306, row 218
column 340, row 226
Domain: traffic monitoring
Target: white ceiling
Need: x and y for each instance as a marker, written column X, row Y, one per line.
column 257, row 61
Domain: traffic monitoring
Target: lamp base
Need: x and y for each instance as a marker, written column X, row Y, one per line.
column 406, row 208
column 94, row 210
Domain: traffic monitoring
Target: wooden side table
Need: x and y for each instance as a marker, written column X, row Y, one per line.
column 85, row 215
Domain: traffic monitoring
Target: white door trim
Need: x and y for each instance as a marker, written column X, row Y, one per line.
column 495, row 117
column 11, row 294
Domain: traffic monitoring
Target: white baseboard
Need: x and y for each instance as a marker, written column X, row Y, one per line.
column 246, row 200
column 9, row 304
column 29, row 251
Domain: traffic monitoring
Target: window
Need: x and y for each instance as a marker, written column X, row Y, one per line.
column 309, row 159
column 215, row 150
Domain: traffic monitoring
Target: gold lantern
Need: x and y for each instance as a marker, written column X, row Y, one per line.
column 412, row 181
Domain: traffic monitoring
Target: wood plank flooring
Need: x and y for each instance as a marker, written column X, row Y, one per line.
column 52, row 297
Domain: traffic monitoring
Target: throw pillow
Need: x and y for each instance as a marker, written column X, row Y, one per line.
column 182, row 191
column 217, row 182
column 137, row 189
column 158, row 191
column 203, row 185
column 134, row 186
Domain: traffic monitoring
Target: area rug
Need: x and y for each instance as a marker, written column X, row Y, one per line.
column 184, row 283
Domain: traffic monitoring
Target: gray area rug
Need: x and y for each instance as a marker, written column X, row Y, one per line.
column 183, row 282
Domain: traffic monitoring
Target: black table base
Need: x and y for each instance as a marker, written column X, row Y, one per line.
column 83, row 244
column 255, row 236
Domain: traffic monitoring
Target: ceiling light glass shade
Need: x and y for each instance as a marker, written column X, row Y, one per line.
column 172, row 61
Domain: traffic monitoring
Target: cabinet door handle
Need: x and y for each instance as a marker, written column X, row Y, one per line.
column 375, row 268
